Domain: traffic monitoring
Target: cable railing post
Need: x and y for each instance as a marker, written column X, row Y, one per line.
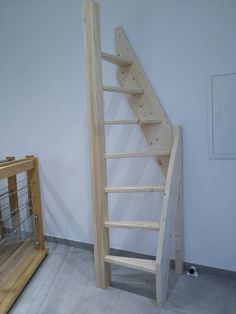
column 35, row 201
column 13, row 198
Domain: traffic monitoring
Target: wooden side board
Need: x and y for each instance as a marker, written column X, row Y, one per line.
column 147, row 106
column 15, row 274
column 179, row 224
column 97, row 139
column 169, row 209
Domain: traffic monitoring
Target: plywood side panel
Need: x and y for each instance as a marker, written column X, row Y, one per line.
column 146, row 106
column 170, row 204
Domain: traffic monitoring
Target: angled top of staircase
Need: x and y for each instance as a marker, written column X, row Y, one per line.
column 147, row 106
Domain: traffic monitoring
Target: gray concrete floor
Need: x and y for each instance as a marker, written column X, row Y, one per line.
column 64, row 284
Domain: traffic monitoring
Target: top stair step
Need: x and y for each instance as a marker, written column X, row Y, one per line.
column 120, row 61
column 136, row 263
column 124, row 90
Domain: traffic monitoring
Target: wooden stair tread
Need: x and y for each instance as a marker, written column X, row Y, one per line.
column 133, row 121
column 116, row 59
column 136, row 154
column 136, row 263
column 127, row 189
column 124, row 90
column 149, row 225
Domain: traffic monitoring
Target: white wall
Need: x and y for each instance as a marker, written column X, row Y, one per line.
column 43, row 112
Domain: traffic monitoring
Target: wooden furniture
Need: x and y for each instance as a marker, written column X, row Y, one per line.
column 165, row 146
column 21, row 227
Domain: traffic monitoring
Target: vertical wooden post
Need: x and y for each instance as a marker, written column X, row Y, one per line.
column 97, row 139
column 29, row 190
column 13, row 198
column 34, row 192
column 170, row 203
column 179, row 245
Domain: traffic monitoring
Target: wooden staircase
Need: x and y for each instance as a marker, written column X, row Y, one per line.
column 165, row 145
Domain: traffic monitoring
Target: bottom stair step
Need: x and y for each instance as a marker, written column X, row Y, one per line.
column 136, row 263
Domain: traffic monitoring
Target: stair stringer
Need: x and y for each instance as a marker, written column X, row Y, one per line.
column 92, row 44
column 146, row 106
column 170, row 215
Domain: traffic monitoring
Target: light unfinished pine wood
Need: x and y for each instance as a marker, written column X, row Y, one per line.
column 159, row 137
column 136, row 154
column 97, row 139
column 116, row 59
column 24, row 262
column 135, row 263
column 123, row 90
column 179, row 230
column 170, row 203
column 179, row 237
column 148, row 225
column 13, row 168
column 128, row 189
column 133, row 121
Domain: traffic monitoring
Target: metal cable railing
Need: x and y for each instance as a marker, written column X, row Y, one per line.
column 7, row 194
column 16, row 211
column 6, row 187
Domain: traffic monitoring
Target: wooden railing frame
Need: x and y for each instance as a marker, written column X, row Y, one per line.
column 23, row 262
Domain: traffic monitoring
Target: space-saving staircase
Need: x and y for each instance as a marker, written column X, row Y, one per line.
column 165, row 146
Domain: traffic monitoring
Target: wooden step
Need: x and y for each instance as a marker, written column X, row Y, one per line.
column 148, row 225
column 136, row 154
column 127, row 189
column 133, row 121
column 136, row 263
column 116, row 59
column 124, row 90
